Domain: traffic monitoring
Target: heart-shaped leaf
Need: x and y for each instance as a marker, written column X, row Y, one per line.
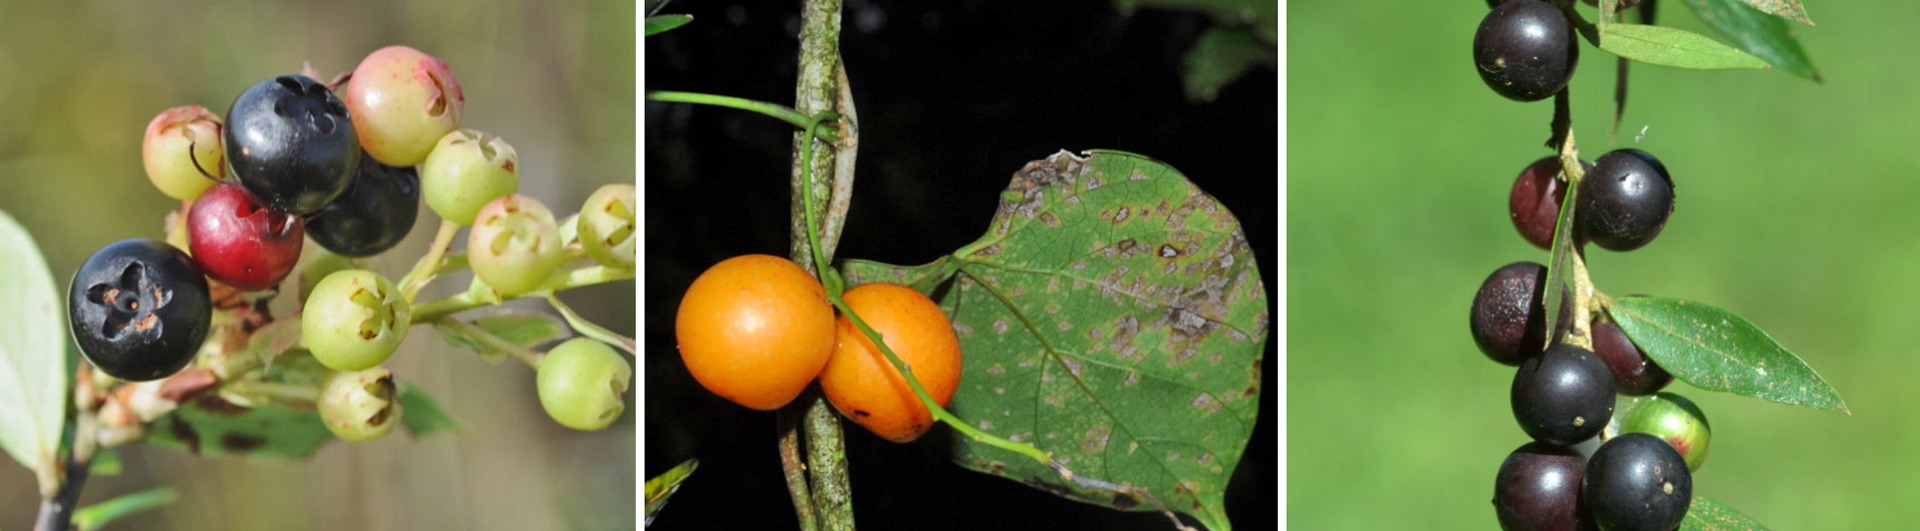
column 1719, row 351
column 1114, row 316
column 1664, row 46
column 1764, row 36
column 33, row 350
column 1706, row 515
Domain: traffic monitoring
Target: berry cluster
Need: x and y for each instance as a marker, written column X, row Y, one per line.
column 297, row 159
column 1564, row 392
column 756, row 329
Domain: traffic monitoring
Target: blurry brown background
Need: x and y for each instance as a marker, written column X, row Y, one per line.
column 80, row 80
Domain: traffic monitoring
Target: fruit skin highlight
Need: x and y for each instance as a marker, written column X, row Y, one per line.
column 864, row 386
column 755, row 329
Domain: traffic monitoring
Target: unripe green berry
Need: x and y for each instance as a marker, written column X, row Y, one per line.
column 514, row 245
column 354, row 320
column 466, row 170
column 606, row 226
column 1674, row 419
column 359, row 405
column 182, row 151
column 581, row 382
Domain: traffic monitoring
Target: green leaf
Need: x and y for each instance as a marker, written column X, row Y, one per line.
column 1560, row 264
column 1220, row 57
column 659, row 24
column 421, row 415
column 106, row 462
column 1113, row 315
column 493, row 335
column 1719, row 351
column 33, row 349
column 100, row 514
column 661, row 487
column 1707, row 515
column 1786, row 9
column 209, row 426
column 1766, row 37
column 1664, row 46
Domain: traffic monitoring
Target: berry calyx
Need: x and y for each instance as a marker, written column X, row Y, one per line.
column 514, row 245
column 182, row 151
column 1633, row 373
column 1508, row 318
column 402, row 101
column 1673, row 419
column 580, row 383
column 1625, row 200
column 359, row 405
column 1524, row 50
column 606, row 226
column 139, row 309
column 373, row 215
column 1637, row 482
column 1538, row 487
column 864, row 386
column 1563, row 396
column 755, row 329
column 290, row 143
column 466, row 170
column 354, row 320
column 238, row 241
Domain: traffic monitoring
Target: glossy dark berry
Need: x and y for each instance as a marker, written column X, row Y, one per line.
column 1524, row 50
column 1624, row 202
column 1637, row 482
column 373, row 215
column 1538, row 488
column 291, row 143
column 1508, row 320
column 1534, row 202
column 238, row 241
column 139, row 309
column 1633, row 373
column 1563, row 396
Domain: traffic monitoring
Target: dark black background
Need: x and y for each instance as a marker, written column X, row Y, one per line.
column 952, row 100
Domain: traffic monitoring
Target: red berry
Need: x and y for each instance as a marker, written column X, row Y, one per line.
column 240, row 242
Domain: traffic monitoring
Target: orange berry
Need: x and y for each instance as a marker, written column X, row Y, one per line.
column 755, row 329
column 861, row 383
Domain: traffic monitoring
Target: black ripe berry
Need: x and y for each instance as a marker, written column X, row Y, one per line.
column 1563, row 396
column 1539, row 488
column 139, row 309
column 1524, row 50
column 291, row 143
column 1637, row 482
column 373, row 215
column 1625, row 200
column 1509, row 320
column 1633, row 373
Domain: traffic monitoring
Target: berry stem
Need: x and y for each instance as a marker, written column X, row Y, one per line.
column 297, row 394
column 781, row 112
column 423, row 270
column 434, row 310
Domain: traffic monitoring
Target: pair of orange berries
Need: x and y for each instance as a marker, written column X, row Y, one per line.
column 756, row 329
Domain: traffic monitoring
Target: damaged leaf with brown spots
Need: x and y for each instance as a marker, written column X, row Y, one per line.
column 1114, row 316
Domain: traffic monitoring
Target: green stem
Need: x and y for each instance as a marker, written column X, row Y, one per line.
column 775, row 110
column 424, row 269
column 299, row 394
column 493, row 342
column 434, row 310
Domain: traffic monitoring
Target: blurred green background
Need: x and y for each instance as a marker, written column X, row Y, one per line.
column 555, row 79
column 1795, row 209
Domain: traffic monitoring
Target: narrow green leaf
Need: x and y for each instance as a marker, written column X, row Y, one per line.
column 1220, row 57
column 1719, row 351
column 659, row 24
column 661, row 487
column 1560, row 265
column 95, row 516
column 526, row 329
column 592, row 329
column 1707, row 515
column 1766, row 37
column 33, row 347
column 1786, row 9
column 1113, row 315
column 1664, row 46
column 422, row 415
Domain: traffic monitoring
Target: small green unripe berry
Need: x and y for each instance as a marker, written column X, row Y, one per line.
column 466, row 170
column 514, row 245
column 1674, row 419
column 581, row 382
column 606, row 226
column 354, row 320
column 183, row 153
column 359, row 405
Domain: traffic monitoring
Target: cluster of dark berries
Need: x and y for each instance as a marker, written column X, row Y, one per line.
column 1564, row 394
